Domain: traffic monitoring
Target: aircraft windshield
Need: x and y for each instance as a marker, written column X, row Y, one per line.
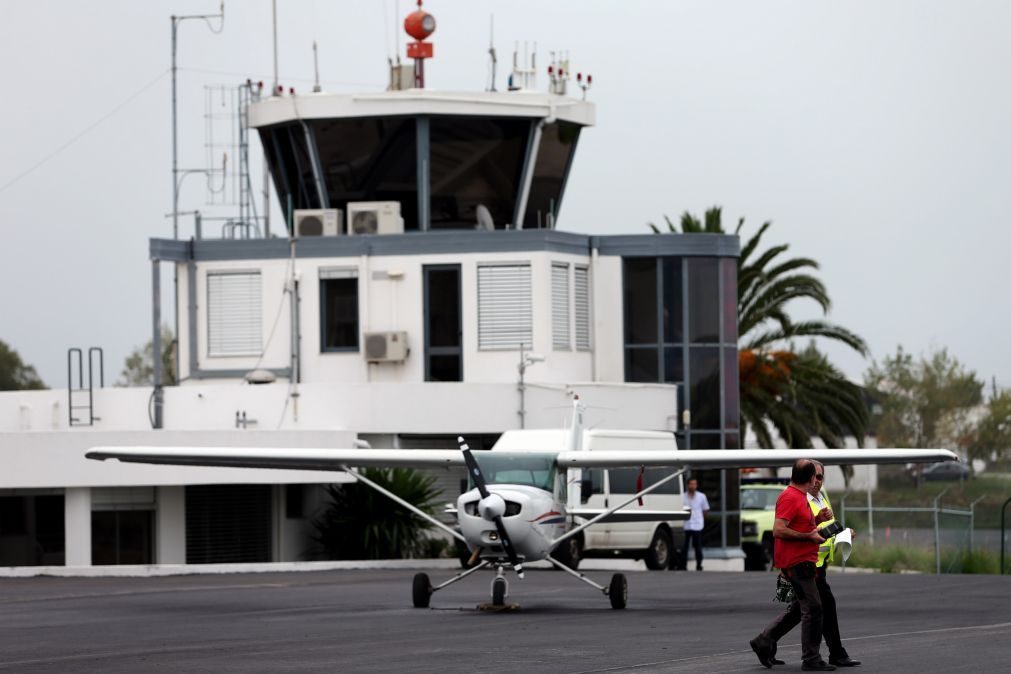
column 533, row 469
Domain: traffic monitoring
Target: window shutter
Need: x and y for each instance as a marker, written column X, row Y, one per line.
column 582, row 301
column 504, row 314
column 560, row 306
column 234, row 314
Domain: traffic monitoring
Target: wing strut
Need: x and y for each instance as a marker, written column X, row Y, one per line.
column 410, row 506
column 606, row 513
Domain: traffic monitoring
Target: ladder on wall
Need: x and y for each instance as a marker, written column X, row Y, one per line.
column 81, row 398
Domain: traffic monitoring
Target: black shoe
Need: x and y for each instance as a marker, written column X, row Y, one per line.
column 776, row 661
column 845, row 661
column 819, row 666
column 763, row 652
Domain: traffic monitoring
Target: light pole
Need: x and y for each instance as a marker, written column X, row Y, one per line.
column 526, row 360
column 176, row 20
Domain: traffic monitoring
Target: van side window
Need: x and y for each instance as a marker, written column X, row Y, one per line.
column 624, row 480
column 593, row 483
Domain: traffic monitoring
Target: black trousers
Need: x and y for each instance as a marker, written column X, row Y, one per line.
column 694, row 538
column 806, row 609
column 829, row 622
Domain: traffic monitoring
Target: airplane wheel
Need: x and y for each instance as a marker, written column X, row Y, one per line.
column 422, row 590
column 618, row 591
column 498, row 592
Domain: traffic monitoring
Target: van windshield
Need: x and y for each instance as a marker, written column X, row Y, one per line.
column 532, row 470
column 759, row 499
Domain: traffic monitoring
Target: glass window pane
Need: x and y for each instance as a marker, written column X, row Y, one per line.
column 703, row 299
column 475, row 162
column 340, row 314
column 443, row 307
column 554, row 156
column 673, row 365
column 640, row 301
column 728, row 267
column 641, row 365
column 705, row 440
column 368, row 159
column 444, row 368
column 673, row 301
column 731, row 389
column 704, row 374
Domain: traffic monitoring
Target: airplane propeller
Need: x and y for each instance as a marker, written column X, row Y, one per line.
column 491, row 506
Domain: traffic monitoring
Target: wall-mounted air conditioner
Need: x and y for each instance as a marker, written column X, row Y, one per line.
column 318, row 222
column 374, row 217
column 386, row 347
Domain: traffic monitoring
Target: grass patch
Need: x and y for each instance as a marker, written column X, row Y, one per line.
column 896, row 559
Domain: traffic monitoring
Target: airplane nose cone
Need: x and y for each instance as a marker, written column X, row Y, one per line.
column 491, row 506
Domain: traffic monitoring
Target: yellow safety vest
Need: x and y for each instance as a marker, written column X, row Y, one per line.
column 826, row 551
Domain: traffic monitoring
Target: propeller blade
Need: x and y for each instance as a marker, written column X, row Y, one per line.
column 473, row 468
column 482, row 488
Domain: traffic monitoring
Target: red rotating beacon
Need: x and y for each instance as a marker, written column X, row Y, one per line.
column 419, row 24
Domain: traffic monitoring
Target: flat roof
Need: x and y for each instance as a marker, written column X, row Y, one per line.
column 412, row 102
column 450, row 241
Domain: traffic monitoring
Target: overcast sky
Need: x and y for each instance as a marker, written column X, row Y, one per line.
column 875, row 135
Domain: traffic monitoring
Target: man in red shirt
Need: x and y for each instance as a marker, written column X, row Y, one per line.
column 796, row 555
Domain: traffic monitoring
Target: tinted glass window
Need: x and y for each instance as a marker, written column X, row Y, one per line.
column 641, row 365
column 728, row 267
column 475, row 162
column 703, row 299
column 731, row 389
column 625, row 481
column 673, row 303
column 673, row 365
column 339, row 307
column 554, row 156
column 640, row 301
column 705, row 387
column 369, row 159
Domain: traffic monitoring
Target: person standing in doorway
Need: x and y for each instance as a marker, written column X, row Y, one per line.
column 698, row 505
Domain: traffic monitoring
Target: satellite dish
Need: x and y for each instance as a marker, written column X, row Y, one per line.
column 365, row 222
column 484, row 220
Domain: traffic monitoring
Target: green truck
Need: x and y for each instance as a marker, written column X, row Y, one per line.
column 758, row 511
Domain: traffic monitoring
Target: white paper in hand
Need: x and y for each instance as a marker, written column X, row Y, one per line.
column 844, row 544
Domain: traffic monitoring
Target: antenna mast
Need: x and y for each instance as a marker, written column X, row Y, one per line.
column 491, row 53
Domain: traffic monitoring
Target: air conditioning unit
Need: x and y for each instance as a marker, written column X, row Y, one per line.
column 375, row 217
column 386, row 347
column 318, row 222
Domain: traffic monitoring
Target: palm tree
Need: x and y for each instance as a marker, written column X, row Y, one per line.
column 799, row 394
column 360, row 523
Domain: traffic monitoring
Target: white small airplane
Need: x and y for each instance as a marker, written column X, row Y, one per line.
column 520, row 508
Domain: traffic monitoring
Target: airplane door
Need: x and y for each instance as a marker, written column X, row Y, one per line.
column 595, row 495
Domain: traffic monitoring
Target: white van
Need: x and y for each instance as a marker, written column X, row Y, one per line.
column 599, row 489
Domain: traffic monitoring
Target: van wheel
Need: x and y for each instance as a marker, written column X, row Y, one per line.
column 658, row 552
column 569, row 552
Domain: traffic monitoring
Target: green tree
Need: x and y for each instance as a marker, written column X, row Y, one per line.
column 992, row 439
column 800, row 395
column 15, row 374
column 138, row 370
column 924, row 402
column 360, row 523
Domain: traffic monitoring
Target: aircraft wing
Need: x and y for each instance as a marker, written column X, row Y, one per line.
column 631, row 514
column 292, row 458
column 746, row 458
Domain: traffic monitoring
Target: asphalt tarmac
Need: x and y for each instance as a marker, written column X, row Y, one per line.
column 363, row 621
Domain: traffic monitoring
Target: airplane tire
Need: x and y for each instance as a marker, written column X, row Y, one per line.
column 658, row 553
column 422, row 590
column 618, row 592
column 498, row 592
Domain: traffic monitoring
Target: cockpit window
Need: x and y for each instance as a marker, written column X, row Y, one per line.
column 533, row 469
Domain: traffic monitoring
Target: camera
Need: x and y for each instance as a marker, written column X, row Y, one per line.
column 831, row 530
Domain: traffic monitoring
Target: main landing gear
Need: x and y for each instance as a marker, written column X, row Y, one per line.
column 422, row 590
